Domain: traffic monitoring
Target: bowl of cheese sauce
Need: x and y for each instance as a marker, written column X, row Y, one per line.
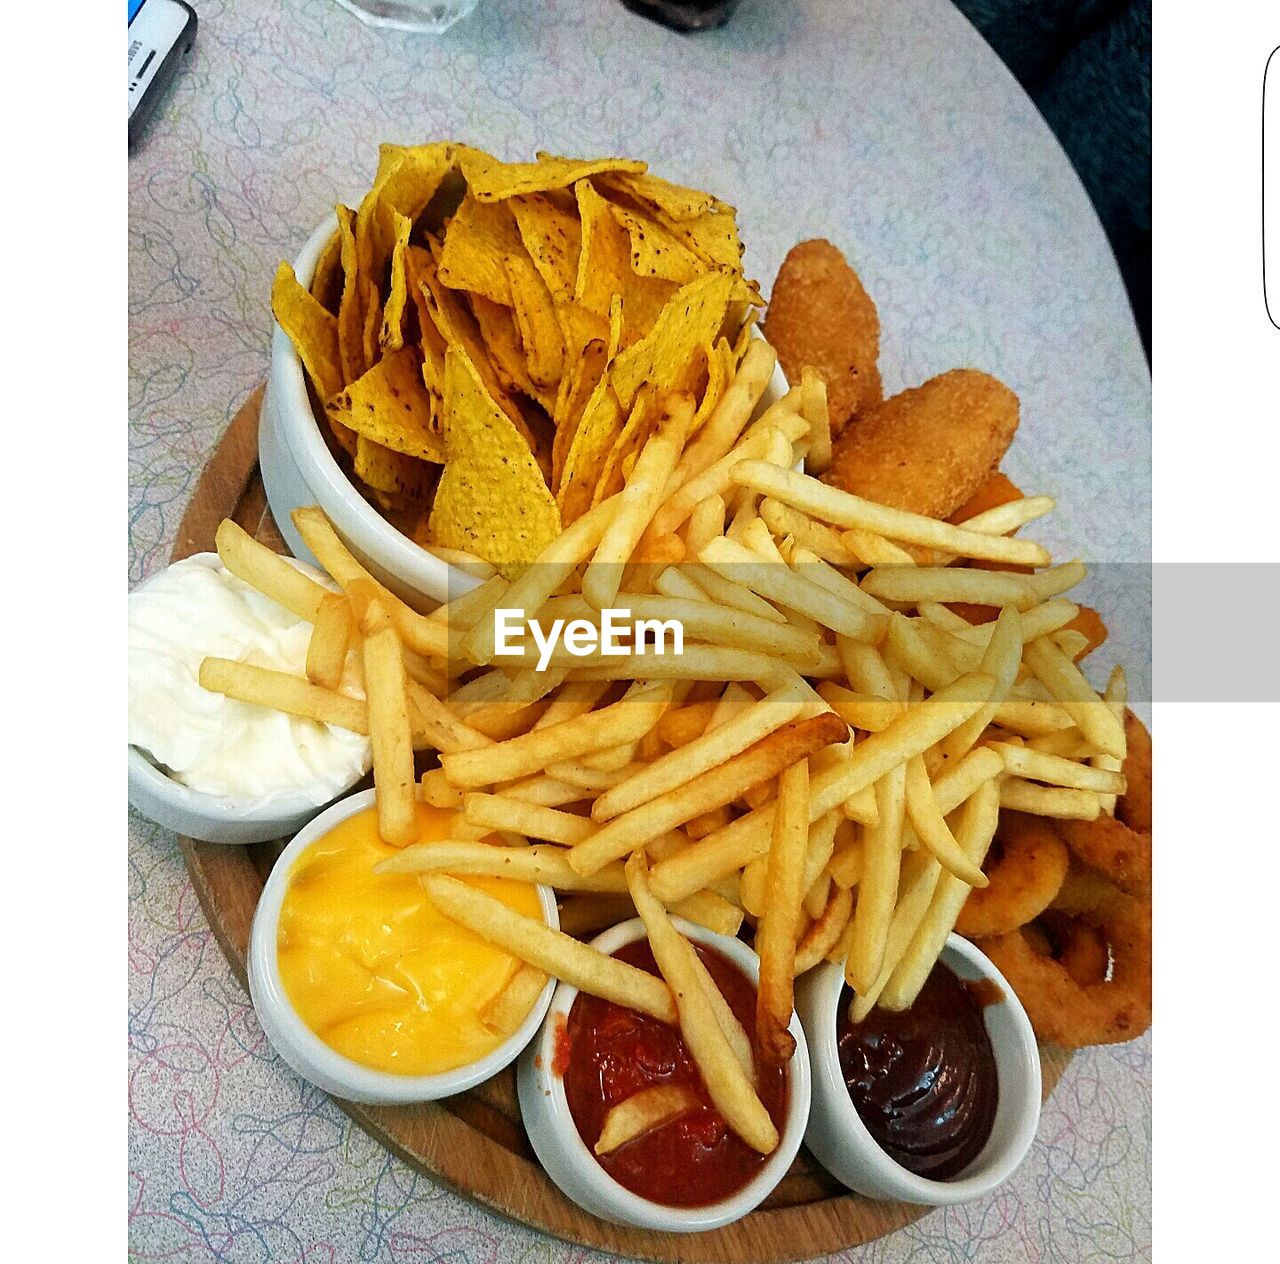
column 362, row 985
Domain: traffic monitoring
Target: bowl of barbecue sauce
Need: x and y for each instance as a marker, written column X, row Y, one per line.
column 934, row 1104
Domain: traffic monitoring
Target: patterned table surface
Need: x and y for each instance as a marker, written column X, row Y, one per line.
column 886, row 125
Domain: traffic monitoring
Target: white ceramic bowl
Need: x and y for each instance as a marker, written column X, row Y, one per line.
column 304, row 1051
column 839, row 1139
column 214, row 818
column 573, row 1167
column 298, row 469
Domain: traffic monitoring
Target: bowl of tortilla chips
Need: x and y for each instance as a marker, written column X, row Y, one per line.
column 469, row 360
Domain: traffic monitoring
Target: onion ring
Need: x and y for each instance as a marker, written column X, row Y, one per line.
column 1084, row 890
column 1113, row 849
column 1078, row 947
column 1021, row 882
column 1068, row 1014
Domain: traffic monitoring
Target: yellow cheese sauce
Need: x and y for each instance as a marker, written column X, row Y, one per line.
column 374, row 969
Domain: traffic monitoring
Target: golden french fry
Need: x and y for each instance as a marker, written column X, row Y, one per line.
column 638, row 501
column 780, row 923
column 705, row 523
column 813, row 406
column 857, row 710
column 266, row 687
column 466, row 562
column 437, row 791
column 843, row 509
column 1095, row 719
column 950, row 583
column 826, row 931
column 1034, row 765
column 726, row 1082
column 330, row 640
column 532, row 940
column 816, row 537
column 389, row 726
column 540, row 863
column 442, row 728
column 729, row 592
column 1116, row 696
column 642, row 1112
column 625, row 721
column 931, row 827
column 499, row 811
column 510, row 1005
column 1008, row 517
column 268, row 572
column 974, row 832
column 1065, row 805
column 1000, row 660
column 878, row 883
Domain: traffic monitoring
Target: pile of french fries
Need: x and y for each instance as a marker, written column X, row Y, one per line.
column 826, row 761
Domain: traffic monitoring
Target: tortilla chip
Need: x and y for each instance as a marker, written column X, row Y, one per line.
column 667, row 356
column 372, row 323
column 491, row 500
column 553, row 238
column 391, row 406
column 391, row 337
column 535, row 317
column 713, row 238
column 407, row 179
column 577, row 387
column 477, row 238
column 672, row 200
column 391, row 473
column 604, row 269
column 492, row 181
column 502, row 341
column 312, row 330
column 631, row 438
column 655, row 250
column 351, row 305
column 326, row 280
column 719, row 374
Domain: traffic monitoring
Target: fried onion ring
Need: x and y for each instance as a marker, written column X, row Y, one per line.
column 1113, row 849
column 1068, row 1014
column 1023, row 880
column 1081, row 949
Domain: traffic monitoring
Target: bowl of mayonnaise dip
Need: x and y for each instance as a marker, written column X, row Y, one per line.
column 209, row 766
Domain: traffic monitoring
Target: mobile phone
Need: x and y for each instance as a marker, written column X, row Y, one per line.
column 161, row 33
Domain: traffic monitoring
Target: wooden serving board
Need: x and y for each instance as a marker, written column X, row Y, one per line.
column 475, row 1143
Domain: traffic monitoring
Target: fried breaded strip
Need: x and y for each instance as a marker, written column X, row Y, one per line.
column 963, row 420
column 819, row 314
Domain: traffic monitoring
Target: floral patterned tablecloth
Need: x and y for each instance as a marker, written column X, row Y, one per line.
column 886, row 125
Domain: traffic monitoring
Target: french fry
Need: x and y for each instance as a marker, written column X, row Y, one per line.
column 859, row 711
column 716, row 746
column 728, row 592
column 722, row 784
column 974, row 831
column 540, row 863
column 1066, row 682
column 914, row 584
column 698, row 662
column 813, row 406
column 642, row 1112
column 931, row 827
column 875, row 550
column 824, row 575
column 510, row 1005
column 437, row 791
column 1034, row 765
column 1006, row 518
column 1116, row 697
column 499, row 811
column 389, row 726
column 1000, row 660
column 625, row 721
column 780, row 923
column 726, row 1082
column 268, row 572
column 1065, row 805
column 532, row 940
column 777, row 583
column 816, row 537
column 878, row 884
column 330, row 640
column 638, row 501
column 265, row 687
column 843, row 509
column 466, row 562
column 826, row 931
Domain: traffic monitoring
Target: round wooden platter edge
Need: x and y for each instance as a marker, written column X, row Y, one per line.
column 474, row 1144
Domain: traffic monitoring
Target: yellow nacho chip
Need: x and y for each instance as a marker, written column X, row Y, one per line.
column 553, row 238
column 391, row 473
column 492, row 499
column 713, row 238
column 372, row 323
column 577, row 387
column 392, row 336
column 391, row 406
column 326, row 280
column 478, row 237
column 667, row 356
column 491, row 180
column 655, row 250
column 672, row 200
column 630, row 439
column 535, row 317
column 501, row 339
column 719, row 375
column 312, row 330
column 351, row 305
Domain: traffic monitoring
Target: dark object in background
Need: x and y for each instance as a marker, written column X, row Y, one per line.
column 685, row 15
column 1087, row 65
column 161, row 33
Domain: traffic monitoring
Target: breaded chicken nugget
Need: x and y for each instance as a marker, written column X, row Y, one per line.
column 819, row 314
column 930, row 448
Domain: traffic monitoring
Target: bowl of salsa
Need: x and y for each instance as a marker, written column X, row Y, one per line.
column 686, row 1172
column 935, row 1104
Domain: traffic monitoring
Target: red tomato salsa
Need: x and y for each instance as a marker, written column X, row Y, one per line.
column 613, row 1053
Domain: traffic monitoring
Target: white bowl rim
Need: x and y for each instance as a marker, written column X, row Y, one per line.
column 996, row 1168
column 629, row 1205
column 370, row 1083
column 222, row 809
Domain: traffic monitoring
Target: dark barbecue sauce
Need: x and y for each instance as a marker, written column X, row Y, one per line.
column 613, row 1053
column 924, row 1081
